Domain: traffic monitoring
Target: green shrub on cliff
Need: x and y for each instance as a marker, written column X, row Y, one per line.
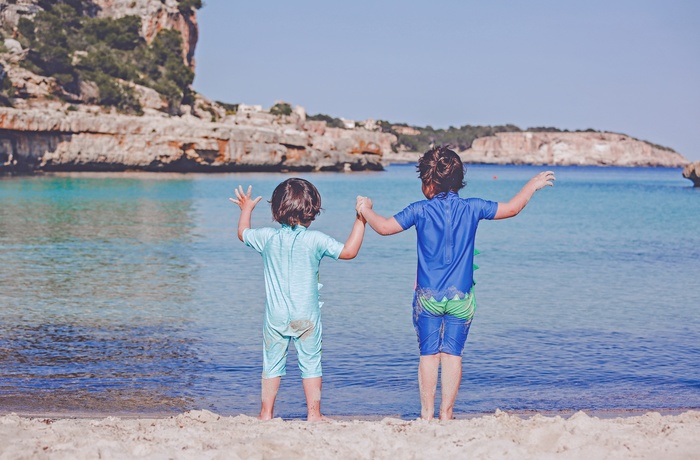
column 50, row 44
column 281, row 108
column 187, row 5
column 331, row 122
column 122, row 33
column 7, row 91
column 231, row 109
column 70, row 46
column 114, row 93
column 161, row 68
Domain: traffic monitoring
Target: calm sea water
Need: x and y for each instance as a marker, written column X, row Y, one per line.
column 130, row 294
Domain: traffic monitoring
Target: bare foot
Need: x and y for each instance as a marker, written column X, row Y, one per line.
column 318, row 418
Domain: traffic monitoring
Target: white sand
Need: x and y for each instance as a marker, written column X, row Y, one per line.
column 205, row 435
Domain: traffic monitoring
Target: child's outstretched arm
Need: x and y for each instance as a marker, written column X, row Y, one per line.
column 354, row 241
column 518, row 202
column 380, row 224
column 247, row 205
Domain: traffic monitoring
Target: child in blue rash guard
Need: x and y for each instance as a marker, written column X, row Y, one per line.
column 443, row 304
column 291, row 257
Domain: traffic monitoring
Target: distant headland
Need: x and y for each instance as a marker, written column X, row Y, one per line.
column 105, row 85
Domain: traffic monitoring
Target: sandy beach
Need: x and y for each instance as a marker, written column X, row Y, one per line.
column 203, row 434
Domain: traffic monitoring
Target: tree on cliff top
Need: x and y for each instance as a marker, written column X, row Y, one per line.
column 281, row 108
column 68, row 43
column 188, row 5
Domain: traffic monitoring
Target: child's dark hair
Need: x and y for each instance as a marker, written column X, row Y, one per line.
column 442, row 168
column 295, row 201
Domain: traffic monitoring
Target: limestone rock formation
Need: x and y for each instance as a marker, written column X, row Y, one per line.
column 569, row 148
column 155, row 16
column 48, row 129
column 692, row 172
column 55, row 139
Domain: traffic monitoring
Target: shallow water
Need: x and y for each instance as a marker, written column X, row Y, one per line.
column 130, row 294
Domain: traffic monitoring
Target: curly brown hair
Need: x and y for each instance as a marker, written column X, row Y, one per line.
column 295, row 201
column 442, row 169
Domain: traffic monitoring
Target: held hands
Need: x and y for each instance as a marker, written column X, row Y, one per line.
column 543, row 179
column 243, row 200
column 362, row 202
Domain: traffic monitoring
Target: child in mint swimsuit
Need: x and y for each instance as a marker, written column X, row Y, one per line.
column 444, row 303
column 291, row 257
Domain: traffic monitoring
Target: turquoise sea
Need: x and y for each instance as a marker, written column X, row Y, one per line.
column 129, row 294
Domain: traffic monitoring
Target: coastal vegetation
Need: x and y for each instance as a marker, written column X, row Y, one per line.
column 281, row 108
column 67, row 42
column 330, row 121
column 420, row 139
column 186, row 6
column 231, row 109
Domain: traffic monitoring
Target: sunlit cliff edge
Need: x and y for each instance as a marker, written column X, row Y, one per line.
column 560, row 149
column 52, row 139
column 566, row 149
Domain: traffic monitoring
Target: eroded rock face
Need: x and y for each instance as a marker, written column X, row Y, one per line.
column 581, row 148
column 47, row 139
column 156, row 15
column 692, row 172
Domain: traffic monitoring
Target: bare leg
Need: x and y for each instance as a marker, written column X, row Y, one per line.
column 451, row 378
column 427, row 383
column 312, row 391
column 269, row 394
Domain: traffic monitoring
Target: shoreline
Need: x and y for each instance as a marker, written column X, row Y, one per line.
column 203, row 434
column 143, row 174
column 522, row 414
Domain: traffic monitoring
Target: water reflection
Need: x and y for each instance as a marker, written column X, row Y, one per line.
column 91, row 368
column 94, row 290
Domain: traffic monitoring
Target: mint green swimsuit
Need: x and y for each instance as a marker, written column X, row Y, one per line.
column 291, row 259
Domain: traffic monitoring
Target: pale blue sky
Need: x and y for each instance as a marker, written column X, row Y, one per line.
column 629, row 66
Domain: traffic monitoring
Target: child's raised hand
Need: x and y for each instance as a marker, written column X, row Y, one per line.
column 543, row 179
column 243, row 200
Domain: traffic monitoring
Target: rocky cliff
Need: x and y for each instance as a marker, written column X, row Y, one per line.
column 567, row 148
column 155, row 15
column 56, row 139
column 49, row 129
column 692, row 172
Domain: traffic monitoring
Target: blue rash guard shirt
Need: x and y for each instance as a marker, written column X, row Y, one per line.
column 446, row 227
